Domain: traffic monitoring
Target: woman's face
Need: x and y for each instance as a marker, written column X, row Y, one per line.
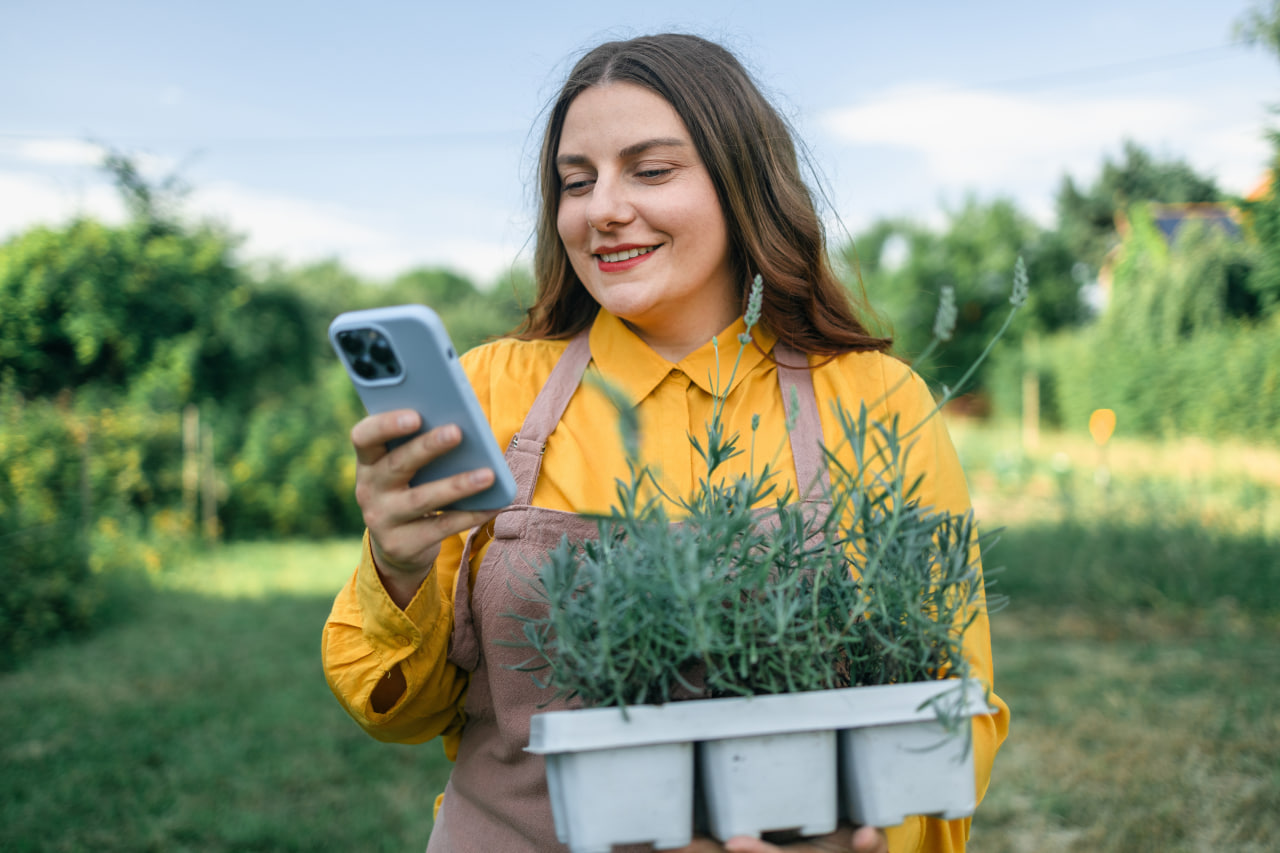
column 640, row 220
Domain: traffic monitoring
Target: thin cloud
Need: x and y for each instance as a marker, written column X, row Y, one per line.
column 946, row 143
column 54, row 151
column 974, row 137
column 300, row 230
column 292, row 229
column 30, row 200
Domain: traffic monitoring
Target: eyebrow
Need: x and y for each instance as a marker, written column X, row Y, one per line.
column 629, row 151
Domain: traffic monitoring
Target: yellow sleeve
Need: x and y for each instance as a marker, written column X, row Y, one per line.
column 367, row 636
column 932, row 456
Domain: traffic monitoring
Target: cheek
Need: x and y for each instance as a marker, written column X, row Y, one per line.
column 570, row 224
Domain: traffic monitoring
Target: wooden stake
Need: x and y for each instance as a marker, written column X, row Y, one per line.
column 209, row 484
column 1030, row 394
column 190, row 463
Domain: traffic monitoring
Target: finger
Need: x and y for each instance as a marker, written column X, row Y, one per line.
column 412, row 548
column 370, row 435
column 700, row 845
column 868, row 839
column 840, row 841
column 436, row 496
column 388, row 506
column 399, row 466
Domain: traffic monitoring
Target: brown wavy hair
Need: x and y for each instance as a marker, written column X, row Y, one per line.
column 747, row 148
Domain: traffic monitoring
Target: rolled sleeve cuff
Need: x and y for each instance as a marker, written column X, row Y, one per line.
column 394, row 634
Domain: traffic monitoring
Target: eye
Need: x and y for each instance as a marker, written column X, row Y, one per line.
column 576, row 184
column 653, row 174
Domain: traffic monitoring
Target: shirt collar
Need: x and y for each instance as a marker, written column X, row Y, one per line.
column 636, row 369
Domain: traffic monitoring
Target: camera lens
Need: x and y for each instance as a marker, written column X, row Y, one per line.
column 380, row 350
column 365, row 368
column 351, row 343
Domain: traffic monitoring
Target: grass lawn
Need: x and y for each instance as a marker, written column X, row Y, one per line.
column 1140, row 652
column 200, row 721
column 1140, row 655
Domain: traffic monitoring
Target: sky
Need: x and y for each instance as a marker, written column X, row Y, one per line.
column 391, row 134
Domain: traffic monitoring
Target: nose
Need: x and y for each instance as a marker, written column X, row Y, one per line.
column 610, row 204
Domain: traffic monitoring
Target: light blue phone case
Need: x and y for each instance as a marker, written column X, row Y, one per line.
column 421, row 373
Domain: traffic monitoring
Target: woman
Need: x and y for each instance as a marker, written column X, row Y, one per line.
column 668, row 182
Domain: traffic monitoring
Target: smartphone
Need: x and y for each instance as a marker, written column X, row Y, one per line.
column 401, row 357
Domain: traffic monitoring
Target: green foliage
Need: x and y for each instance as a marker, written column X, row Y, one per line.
column 93, row 305
column 86, row 491
column 1263, row 218
column 1261, row 25
column 753, row 592
column 141, row 320
column 295, row 471
column 743, row 599
column 1087, row 217
column 1219, row 383
column 1164, row 293
column 1175, row 351
column 46, row 590
column 972, row 256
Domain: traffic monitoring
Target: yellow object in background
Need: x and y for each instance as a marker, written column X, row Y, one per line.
column 1102, row 423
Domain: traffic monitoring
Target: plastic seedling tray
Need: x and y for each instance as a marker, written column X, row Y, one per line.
column 598, row 759
column 626, row 795
column 889, row 772
column 770, row 783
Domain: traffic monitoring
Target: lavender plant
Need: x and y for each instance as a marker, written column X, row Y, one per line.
column 749, row 592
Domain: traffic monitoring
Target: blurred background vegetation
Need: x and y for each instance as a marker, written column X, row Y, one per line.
column 160, row 394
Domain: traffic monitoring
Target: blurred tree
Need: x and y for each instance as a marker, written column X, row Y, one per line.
column 1086, row 217
column 156, row 309
column 905, row 265
column 1166, row 293
column 1261, row 25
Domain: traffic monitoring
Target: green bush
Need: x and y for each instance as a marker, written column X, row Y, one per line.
column 45, row 585
column 295, row 473
column 1181, row 349
column 1223, row 383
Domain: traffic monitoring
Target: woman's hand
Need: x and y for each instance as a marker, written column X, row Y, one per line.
column 406, row 525
column 864, row 839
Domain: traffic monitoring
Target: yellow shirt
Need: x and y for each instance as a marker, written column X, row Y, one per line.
column 367, row 635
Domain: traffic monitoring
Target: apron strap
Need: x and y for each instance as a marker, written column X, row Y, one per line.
column 524, row 456
column 813, row 479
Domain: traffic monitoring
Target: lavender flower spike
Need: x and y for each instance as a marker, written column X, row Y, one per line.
column 945, row 322
column 753, row 308
column 1020, row 289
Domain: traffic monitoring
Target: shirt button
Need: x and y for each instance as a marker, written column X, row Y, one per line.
column 402, row 640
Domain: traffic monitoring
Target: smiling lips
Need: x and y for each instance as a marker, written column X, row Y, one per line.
column 623, row 258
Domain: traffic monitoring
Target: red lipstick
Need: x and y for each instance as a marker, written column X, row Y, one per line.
column 625, row 264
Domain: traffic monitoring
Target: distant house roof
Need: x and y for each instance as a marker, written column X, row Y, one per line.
column 1262, row 190
column 1171, row 218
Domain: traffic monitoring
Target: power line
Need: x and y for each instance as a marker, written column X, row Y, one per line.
column 1125, row 68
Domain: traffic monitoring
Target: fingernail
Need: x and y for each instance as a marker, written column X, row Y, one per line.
column 405, row 421
column 449, row 433
column 481, row 477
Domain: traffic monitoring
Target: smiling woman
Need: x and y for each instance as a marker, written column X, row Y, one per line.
column 668, row 184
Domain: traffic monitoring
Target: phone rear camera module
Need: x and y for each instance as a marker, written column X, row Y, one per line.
column 364, row 368
column 380, row 351
column 351, row 343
